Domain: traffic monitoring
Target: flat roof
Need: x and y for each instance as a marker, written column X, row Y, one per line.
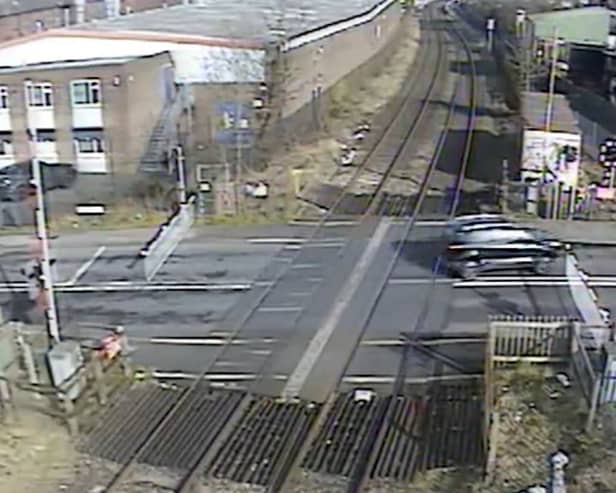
column 586, row 25
column 254, row 20
column 12, row 7
column 69, row 64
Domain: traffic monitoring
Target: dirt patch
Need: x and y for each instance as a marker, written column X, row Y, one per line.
column 537, row 416
column 290, row 171
column 36, row 454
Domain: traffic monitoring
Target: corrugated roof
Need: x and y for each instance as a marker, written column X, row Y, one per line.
column 11, row 7
column 534, row 109
column 254, row 20
column 587, row 25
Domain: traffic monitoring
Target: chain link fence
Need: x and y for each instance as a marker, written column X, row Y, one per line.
column 593, row 136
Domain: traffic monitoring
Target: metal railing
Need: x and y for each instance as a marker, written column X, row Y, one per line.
column 164, row 135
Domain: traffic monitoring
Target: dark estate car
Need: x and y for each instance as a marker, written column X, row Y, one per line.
column 500, row 246
column 15, row 179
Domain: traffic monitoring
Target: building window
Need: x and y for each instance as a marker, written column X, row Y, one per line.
column 45, row 137
column 6, row 146
column 86, row 92
column 39, row 94
column 4, row 97
column 89, row 145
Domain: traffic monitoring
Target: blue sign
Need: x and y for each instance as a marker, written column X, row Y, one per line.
column 235, row 126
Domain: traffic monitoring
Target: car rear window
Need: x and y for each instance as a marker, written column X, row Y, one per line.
column 495, row 235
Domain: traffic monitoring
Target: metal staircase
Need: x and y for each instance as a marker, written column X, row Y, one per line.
column 164, row 135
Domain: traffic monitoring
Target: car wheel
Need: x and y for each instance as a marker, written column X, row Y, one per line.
column 22, row 193
column 542, row 266
column 468, row 274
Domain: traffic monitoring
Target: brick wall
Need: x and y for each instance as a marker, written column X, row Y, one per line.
column 346, row 58
column 15, row 26
column 141, row 5
column 23, row 24
column 130, row 108
column 326, row 61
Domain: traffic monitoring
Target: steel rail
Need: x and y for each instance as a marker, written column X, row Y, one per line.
column 125, row 469
column 279, row 476
column 286, row 476
column 362, row 466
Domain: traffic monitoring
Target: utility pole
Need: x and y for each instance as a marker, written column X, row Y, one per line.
column 238, row 152
column 181, row 175
column 548, row 123
column 554, row 61
column 505, row 187
column 490, row 25
column 41, row 226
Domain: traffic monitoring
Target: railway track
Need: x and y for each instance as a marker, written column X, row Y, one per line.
column 219, row 436
column 374, row 441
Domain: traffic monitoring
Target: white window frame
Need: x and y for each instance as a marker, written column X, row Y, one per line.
column 93, row 87
column 4, row 98
column 4, row 151
column 46, row 94
column 97, row 143
column 42, row 138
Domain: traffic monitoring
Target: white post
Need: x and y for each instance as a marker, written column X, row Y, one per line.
column 181, row 176
column 238, row 152
column 548, row 116
column 550, row 103
column 490, row 28
column 41, row 225
column 80, row 11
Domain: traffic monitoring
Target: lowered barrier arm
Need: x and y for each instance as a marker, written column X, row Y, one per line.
column 167, row 238
column 595, row 318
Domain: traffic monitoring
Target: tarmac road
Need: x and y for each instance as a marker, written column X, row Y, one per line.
column 178, row 326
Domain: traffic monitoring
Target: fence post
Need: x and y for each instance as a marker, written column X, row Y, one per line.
column 69, row 410
column 7, row 404
column 505, row 187
column 594, row 403
column 99, row 381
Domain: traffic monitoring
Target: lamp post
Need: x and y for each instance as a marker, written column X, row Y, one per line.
column 548, row 121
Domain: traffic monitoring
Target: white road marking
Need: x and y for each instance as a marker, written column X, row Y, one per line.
column 276, row 241
column 318, row 342
column 316, row 244
column 126, row 287
column 451, row 339
column 171, row 375
column 305, row 266
column 300, row 294
column 205, row 341
column 82, row 270
column 419, row 280
column 326, row 224
column 276, row 309
column 131, row 286
column 375, row 379
column 515, row 284
column 291, row 241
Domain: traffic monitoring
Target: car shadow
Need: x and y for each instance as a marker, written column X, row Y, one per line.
column 425, row 253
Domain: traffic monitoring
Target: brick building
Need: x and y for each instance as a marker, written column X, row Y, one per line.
column 116, row 95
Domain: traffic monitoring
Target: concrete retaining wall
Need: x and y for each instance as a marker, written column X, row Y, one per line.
column 347, row 60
